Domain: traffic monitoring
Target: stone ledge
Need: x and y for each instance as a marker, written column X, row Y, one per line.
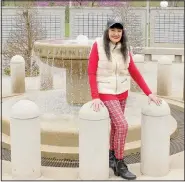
column 163, row 51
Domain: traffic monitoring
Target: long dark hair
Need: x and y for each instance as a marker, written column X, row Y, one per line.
column 123, row 41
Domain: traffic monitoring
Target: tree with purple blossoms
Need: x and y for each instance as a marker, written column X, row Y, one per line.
column 80, row 3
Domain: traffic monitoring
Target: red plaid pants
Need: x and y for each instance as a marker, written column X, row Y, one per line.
column 119, row 126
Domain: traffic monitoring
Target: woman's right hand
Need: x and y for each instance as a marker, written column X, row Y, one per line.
column 96, row 104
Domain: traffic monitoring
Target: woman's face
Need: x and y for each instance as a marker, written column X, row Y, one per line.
column 115, row 35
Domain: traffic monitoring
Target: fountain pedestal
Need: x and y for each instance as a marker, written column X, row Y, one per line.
column 77, row 86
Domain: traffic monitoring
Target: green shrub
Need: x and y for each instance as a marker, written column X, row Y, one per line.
column 35, row 72
column 7, row 71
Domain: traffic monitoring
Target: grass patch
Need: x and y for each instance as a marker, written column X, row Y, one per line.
column 67, row 30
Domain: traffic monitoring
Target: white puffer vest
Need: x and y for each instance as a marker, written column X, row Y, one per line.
column 112, row 75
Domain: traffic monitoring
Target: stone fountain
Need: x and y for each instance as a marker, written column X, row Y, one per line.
column 71, row 55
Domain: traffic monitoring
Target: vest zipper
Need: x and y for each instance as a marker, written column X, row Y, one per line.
column 116, row 78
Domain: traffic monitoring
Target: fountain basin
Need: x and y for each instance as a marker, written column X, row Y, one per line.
column 59, row 122
column 62, row 49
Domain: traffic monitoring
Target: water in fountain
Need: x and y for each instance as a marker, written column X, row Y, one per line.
column 68, row 99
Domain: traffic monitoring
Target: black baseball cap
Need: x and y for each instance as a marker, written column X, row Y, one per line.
column 113, row 22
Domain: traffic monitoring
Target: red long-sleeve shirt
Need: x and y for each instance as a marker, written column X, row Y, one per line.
column 92, row 69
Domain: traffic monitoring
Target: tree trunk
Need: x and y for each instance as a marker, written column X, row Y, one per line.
column 29, row 52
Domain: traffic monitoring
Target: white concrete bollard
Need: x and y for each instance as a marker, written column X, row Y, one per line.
column 139, row 62
column 93, row 143
column 155, row 140
column 164, row 76
column 25, row 140
column 17, row 69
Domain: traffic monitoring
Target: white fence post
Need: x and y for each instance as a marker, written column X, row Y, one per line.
column 93, row 143
column 17, row 66
column 25, row 140
column 155, row 140
column 164, row 76
column 183, row 92
column 147, row 57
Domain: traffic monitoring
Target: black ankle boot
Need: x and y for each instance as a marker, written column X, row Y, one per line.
column 111, row 159
column 121, row 169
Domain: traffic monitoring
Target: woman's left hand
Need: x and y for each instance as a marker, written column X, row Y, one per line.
column 155, row 99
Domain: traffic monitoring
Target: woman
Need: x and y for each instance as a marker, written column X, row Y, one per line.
column 108, row 68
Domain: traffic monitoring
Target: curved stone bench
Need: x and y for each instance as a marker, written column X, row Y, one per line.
column 59, row 135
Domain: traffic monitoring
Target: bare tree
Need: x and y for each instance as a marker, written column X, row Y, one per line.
column 133, row 31
column 26, row 31
column 132, row 26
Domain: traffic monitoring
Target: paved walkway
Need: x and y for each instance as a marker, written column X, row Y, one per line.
column 149, row 74
column 55, row 173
